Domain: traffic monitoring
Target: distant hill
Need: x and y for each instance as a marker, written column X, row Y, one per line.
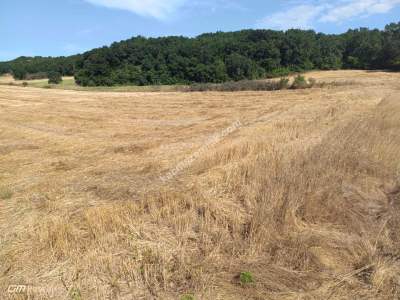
column 219, row 57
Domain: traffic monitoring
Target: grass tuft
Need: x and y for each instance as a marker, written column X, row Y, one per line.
column 75, row 294
column 187, row 297
column 5, row 193
column 246, row 278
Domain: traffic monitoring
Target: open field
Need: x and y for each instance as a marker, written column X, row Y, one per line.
column 302, row 192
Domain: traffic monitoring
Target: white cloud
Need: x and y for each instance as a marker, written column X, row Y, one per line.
column 214, row 5
column 300, row 16
column 159, row 9
column 162, row 9
column 351, row 9
column 305, row 13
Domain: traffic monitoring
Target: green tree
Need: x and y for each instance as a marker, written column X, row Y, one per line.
column 19, row 73
column 220, row 74
column 55, row 77
column 391, row 47
column 239, row 67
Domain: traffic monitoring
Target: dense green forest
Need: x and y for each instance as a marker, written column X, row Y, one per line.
column 219, row 57
column 38, row 67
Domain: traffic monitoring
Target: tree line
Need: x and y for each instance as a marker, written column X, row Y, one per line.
column 220, row 57
column 39, row 67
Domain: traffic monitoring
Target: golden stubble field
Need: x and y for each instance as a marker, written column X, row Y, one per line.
column 304, row 194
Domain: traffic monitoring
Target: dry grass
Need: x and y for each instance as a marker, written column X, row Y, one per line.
column 305, row 196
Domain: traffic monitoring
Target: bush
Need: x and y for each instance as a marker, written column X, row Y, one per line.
column 283, row 83
column 54, row 77
column 253, row 85
column 202, row 87
column 300, row 82
column 24, row 84
column 243, row 85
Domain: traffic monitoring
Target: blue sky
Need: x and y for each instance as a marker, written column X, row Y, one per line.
column 64, row 27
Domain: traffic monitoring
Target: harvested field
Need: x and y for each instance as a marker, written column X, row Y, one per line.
column 303, row 192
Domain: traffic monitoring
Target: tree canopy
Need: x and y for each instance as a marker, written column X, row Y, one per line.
column 54, row 77
column 35, row 67
column 222, row 56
